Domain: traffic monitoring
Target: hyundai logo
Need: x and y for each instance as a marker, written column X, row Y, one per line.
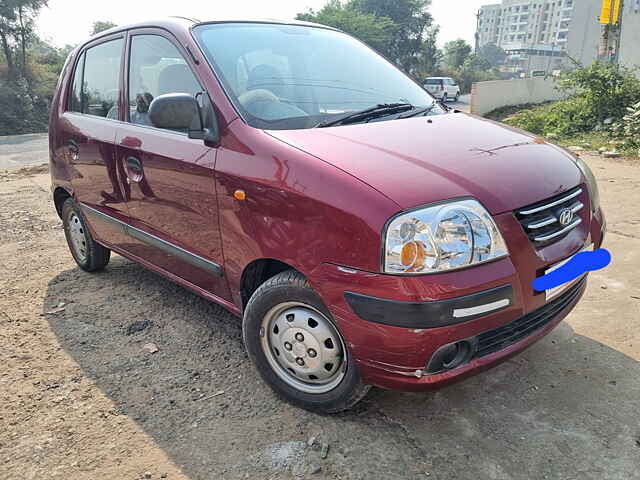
column 565, row 217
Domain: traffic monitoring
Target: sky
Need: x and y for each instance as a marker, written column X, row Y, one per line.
column 64, row 22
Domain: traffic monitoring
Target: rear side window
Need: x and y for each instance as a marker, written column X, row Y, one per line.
column 96, row 85
column 156, row 68
column 75, row 102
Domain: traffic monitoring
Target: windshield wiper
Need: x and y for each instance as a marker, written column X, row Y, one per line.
column 380, row 110
column 420, row 111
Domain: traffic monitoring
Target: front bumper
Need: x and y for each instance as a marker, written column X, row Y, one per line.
column 392, row 348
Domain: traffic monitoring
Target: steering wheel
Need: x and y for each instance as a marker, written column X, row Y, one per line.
column 258, row 95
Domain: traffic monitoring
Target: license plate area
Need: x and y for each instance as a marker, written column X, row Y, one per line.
column 552, row 293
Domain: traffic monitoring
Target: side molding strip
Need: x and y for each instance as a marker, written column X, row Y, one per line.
column 153, row 241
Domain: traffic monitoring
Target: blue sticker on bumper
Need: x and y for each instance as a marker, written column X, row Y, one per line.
column 581, row 263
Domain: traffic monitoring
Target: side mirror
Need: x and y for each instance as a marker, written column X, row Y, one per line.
column 174, row 111
column 181, row 111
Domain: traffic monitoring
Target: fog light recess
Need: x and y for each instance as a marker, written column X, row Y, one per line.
column 452, row 356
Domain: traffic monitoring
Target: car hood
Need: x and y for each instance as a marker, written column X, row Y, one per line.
column 428, row 159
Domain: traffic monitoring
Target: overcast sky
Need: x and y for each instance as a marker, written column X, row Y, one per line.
column 69, row 21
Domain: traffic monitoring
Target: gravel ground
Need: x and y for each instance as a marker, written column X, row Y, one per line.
column 81, row 397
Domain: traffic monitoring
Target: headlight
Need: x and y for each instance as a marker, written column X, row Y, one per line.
column 592, row 184
column 441, row 237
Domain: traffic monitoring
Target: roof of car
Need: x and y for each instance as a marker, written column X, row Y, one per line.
column 186, row 23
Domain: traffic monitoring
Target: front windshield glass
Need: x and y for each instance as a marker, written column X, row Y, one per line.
column 294, row 77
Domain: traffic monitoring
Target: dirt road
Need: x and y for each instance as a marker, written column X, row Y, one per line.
column 81, row 399
column 23, row 150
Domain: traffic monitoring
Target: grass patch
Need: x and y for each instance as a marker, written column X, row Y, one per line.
column 502, row 113
column 590, row 141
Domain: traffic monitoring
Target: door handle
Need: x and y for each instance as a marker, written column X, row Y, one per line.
column 134, row 169
column 74, row 150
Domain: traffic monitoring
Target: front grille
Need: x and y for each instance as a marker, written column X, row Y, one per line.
column 551, row 219
column 501, row 337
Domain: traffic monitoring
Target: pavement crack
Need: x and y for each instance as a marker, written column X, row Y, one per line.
column 406, row 433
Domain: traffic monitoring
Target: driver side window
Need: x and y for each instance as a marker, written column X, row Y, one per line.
column 156, row 68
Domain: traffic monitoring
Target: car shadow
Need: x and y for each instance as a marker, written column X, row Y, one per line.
column 565, row 408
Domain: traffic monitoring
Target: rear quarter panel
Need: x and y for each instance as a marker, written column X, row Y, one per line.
column 60, row 176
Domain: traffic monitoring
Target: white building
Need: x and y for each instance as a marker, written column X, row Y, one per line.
column 527, row 22
column 551, row 34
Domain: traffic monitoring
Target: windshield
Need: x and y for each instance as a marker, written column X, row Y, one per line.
column 294, row 77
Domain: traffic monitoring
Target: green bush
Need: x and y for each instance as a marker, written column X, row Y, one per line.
column 628, row 128
column 606, row 88
column 20, row 110
column 563, row 118
column 596, row 93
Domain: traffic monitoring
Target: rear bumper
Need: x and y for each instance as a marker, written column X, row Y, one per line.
column 395, row 325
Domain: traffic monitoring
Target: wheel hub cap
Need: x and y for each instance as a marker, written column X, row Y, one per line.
column 77, row 237
column 303, row 347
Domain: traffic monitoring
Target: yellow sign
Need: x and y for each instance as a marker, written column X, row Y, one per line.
column 610, row 11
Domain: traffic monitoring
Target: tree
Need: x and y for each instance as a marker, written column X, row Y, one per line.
column 455, row 53
column 430, row 56
column 17, row 20
column 413, row 23
column 476, row 63
column 29, row 69
column 101, row 27
column 376, row 32
column 402, row 30
column 493, row 54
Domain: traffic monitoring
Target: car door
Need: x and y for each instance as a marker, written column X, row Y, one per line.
column 87, row 136
column 169, row 177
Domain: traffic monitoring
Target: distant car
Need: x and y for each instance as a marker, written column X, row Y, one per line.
column 443, row 88
column 365, row 234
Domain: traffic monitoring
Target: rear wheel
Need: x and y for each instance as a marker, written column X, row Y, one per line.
column 457, row 97
column 88, row 254
column 445, row 98
column 297, row 348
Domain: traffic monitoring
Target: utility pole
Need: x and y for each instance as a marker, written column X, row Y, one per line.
column 611, row 20
column 478, row 15
column 619, row 33
column 553, row 47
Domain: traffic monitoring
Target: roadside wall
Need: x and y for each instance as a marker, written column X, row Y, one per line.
column 487, row 96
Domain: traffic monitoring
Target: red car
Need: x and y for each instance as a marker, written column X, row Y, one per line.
column 365, row 233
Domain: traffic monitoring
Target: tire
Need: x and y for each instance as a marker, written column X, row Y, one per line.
column 283, row 308
column 457, row 97
column 88, row 254
column 445, row 98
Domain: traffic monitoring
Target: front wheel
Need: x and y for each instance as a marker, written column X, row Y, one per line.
column 296, row 347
